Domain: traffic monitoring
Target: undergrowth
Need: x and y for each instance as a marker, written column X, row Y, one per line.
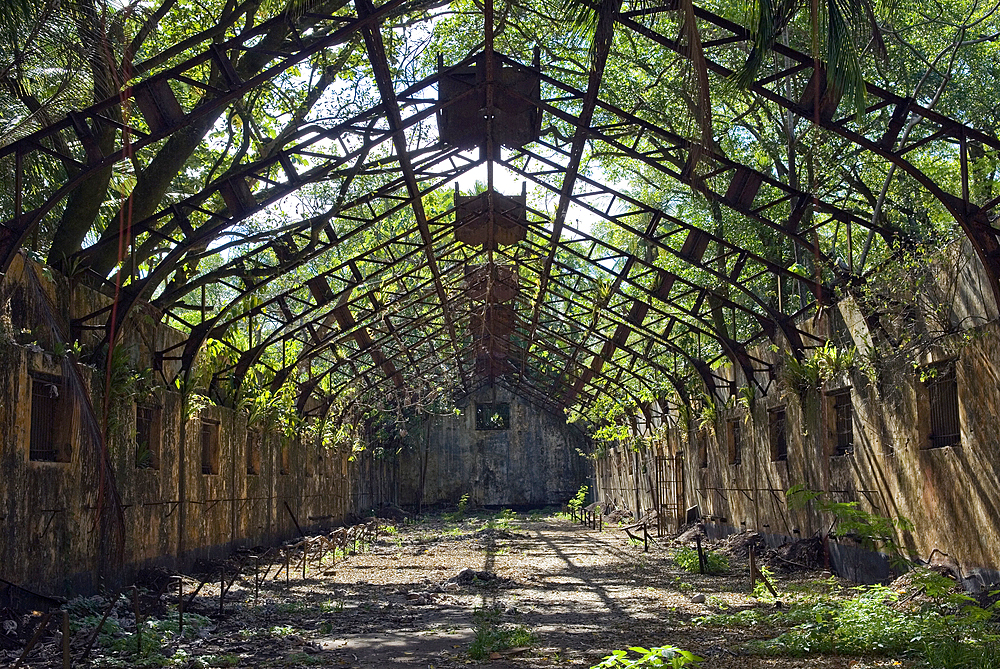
column 941, row 628
column 493, row 635
column 687, row 559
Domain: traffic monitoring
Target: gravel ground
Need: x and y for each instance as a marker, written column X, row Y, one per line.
column 408, row 603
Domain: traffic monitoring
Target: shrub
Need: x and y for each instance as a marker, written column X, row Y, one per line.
column 687, row 559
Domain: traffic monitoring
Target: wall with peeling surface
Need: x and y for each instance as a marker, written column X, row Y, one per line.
column 535, row 462
column 58, row 536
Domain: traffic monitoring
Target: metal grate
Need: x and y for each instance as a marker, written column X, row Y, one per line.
column 942, row 392
column 735, row 442
column 777, row 432
column 147, row 454
column 843, row 412
column 45, row 393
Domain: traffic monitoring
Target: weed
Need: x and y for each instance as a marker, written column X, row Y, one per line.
column 658, row 656
column 493, row 635
column 687, row 559
column 576, row 503
column 760, row 590
column 331, row 606
column 682, row 585
column 217, row 661
column 281, row 630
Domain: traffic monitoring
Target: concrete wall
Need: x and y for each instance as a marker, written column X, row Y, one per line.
column 951, row 494
column 53, row 539
column 533, row 463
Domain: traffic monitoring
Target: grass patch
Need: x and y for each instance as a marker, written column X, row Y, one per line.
column 493, row 635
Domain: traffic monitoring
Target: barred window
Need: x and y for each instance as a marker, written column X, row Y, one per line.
column 778, row 436
column 735, row 442
column 147, row 436
column 49, row 420
column 843, row 416
column 942, row 393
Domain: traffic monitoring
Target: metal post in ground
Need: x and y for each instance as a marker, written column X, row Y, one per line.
column 180, row 607
column 701, row 556
column 34, row 638
column 256, row 578
column 222, row 591
column 645, row 540
column 305, row 551
column 138, row 621
column 65, row 639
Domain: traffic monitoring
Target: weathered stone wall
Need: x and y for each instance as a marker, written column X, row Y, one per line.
column 533, row 463
column 52, row 540
column 951, row 493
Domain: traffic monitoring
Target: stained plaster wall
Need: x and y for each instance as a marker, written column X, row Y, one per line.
column 533, row 463
column 52, row 540
column 951, row 494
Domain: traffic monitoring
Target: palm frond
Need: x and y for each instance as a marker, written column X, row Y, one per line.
column 767, row 19
column 844, row 75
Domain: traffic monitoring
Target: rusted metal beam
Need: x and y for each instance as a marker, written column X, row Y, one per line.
column 383, row 79
column 601, row 47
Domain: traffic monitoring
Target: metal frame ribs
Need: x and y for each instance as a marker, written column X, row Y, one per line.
column 386, row 311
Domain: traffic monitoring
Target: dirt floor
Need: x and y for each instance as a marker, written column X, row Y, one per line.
column 407, row 603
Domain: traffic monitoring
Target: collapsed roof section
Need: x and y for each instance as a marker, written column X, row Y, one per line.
column 391, row 287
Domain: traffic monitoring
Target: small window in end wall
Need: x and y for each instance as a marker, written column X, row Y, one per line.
column 50, row 420
column 493, row 416
column 147, row 436
column 942, row 395
column 842, row 410
column 735, row 434
column 209, row 447
column 776, row 423
column 253, row 452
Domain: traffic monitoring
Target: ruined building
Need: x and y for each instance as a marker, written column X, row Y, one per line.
column 284, row 272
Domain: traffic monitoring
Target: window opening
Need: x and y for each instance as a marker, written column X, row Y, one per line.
column 285, row 460
column 48, row 416
column 843, row 415
column 147, row 436
column 253, row 452
column 493, row 416
column 735, row 442
column 942, row 392
column 778, row 435
column 209, row 447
